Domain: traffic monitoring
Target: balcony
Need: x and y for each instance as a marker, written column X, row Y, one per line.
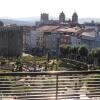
column 54, row 85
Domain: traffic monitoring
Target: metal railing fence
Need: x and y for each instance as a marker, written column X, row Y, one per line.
column 52, row 85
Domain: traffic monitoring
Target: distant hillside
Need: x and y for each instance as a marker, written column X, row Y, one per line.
column 31, row 20
column 82, row 20
column 10, row 21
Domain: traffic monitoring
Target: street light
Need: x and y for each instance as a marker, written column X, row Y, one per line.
column 88, row 67
column 58, row 54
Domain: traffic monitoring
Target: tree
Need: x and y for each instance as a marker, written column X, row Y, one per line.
column 74, row 51
column 90, row 58
column 19, row 64
column 83, row 52
column 68, row 51
column 63, row 51
column 96, row 55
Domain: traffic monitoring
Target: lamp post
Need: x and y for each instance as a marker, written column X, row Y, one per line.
column 88, row 67
column 48, row 56
column 58, row 51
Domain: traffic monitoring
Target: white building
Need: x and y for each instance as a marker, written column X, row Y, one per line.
column 33, row 37
column 97, row 40
column 26, row 40
column 39, row 39
column 88, row 38
column 91, row 26
column 44, row 36
column 75, row 41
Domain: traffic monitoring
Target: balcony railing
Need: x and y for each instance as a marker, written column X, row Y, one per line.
column 70, row 85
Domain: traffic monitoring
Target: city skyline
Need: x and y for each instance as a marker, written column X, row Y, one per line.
column 29, row 8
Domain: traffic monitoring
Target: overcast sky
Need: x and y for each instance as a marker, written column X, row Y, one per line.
column 30, row 8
